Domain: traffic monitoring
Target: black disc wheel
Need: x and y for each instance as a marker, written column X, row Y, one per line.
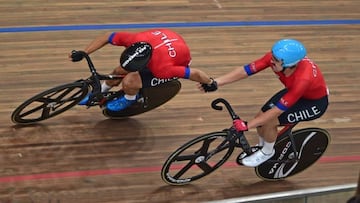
column 151, row 98
column 197, row 158
column 49, row 103
column 310, row 144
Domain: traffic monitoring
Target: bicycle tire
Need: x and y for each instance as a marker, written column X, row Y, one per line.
column 311, row 144
column 152, row 97
column 197, row 158
column 50, row 103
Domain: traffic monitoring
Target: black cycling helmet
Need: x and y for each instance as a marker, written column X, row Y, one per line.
column 136, row 57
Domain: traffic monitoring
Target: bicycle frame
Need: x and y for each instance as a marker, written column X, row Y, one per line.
column 242, row 141
column 287, row 131
column 94, row 81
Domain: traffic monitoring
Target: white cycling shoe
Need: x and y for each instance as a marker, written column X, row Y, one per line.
column 257, row 158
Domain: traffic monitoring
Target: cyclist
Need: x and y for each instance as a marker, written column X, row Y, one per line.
column 150, row 58
column 304, row 98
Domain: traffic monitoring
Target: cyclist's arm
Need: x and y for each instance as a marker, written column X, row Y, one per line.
column 240, row 73
column 98, row 42
column 234, row 75
column 199, row 76
column 193, row 74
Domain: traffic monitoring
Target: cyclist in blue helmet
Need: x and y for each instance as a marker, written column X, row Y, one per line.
column 289, row 52
column 303, row 98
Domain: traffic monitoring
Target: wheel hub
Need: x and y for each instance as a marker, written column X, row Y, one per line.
column 199, row 159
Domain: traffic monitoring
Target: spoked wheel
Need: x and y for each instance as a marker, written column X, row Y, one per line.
column 310, row 143
column 197, row 158
column 49, row 103
column 151, row 98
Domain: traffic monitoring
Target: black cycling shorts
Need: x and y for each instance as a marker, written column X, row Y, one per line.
column 302, row 110
column 149, row 80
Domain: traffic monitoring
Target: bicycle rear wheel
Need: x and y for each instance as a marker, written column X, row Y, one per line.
column 310, row 143
column 151, row 98
column 49, row 103
column 197, row 158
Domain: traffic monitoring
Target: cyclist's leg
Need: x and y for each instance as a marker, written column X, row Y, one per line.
column 303, row 110
column 134, row 81
column 131, row 85
column 270, row 128
column 263, row 130
column 268, row 132
column 108, row 84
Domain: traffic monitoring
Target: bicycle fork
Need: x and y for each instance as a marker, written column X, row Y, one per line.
column 243, row 142
column 244, row 145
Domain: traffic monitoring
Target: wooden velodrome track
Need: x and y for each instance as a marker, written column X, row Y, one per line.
column 80, row 156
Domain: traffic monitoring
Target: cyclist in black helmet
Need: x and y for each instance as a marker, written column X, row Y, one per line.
column 151, row 57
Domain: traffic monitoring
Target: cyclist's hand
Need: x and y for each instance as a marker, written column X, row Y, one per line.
column 210, row 87
column 76, row 56
column 240, row 125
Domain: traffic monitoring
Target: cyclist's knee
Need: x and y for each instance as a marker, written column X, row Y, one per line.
column 268, row 126
column 132, row 82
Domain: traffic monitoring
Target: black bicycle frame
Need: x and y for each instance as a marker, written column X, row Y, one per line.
column 234, row 134
column 95, row 78
column 243, row 143
column 287, row 131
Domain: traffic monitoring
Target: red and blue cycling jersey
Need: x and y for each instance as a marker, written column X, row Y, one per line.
column 306, row 82
column 170, row 57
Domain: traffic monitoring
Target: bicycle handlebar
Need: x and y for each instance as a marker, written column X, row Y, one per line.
column 214, row 105
column 87, row 57
column 95, row 76
column 93, row 70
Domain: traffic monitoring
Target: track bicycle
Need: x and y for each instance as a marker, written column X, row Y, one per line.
column 295, row 151
column 59, row 99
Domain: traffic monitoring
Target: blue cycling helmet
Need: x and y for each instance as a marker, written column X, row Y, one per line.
column 289, row 51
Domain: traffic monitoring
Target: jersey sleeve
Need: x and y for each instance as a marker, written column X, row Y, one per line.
column 258, row 65
column 121, row 38
column 294, row 94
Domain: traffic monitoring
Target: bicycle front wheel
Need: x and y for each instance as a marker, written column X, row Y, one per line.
column 310, row 143
column 197, row 158
column 49, row 103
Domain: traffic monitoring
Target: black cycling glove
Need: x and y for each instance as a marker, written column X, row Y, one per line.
column 210, row 87
column 76, row 56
